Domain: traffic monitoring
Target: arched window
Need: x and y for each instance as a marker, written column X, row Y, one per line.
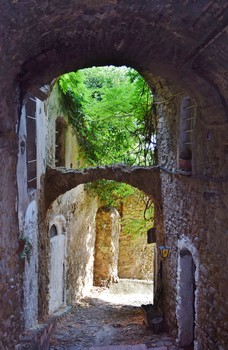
column 186, row 298
column 53, row 231
column 30, row 108
column 60, row 140
column 186, row 130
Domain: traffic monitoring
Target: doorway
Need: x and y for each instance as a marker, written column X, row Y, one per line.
column 186, row 298
column 57, row 269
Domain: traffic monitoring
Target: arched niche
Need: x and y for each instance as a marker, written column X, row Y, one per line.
column 187, row 293
column 60, row 141
column 57, row 267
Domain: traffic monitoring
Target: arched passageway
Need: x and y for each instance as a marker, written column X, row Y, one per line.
column 183, row 45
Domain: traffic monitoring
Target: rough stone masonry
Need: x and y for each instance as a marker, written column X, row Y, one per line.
column 180, row 48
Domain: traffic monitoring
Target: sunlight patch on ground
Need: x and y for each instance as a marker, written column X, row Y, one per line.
column 125, row 292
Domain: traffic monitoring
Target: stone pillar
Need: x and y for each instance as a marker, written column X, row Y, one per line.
column 106, row 246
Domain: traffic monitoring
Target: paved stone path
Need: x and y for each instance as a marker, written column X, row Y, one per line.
column 104, row 321
column 126, row 347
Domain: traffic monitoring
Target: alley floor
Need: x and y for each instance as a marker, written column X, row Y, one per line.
column 104, row 319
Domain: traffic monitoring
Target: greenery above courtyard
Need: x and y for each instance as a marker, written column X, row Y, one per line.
column 112, row 110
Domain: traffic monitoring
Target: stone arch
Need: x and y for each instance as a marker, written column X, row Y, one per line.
column 187, row 292
column 57, row 268
column 91, row 37
column 59, row 181
column 51, row 38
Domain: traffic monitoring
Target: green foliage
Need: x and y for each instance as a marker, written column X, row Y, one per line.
column 112, row 110
column 115, row 194
column 110, row 193
column 113, row 113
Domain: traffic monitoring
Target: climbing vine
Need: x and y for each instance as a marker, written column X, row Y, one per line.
column 115, row 194
column 113, row 112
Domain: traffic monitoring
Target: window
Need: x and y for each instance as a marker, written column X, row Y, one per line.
column 53, row 231
column 30, row 108
column 60, row 139
column 186, row 130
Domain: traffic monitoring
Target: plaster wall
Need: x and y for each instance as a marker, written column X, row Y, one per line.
column 57, row 267
column 30, row 283
column 76, row 206
column 28, row 213
column 79, row 208
column 55, row 107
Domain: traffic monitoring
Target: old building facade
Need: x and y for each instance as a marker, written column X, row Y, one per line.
column 180, row 49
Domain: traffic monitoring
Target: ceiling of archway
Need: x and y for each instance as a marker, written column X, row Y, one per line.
column 181, row 40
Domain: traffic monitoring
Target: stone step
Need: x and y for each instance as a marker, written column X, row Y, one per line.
column 127, row 347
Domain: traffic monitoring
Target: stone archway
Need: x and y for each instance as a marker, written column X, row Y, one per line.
column 182, row 42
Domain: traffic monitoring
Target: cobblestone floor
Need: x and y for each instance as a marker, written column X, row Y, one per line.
column 104, row 319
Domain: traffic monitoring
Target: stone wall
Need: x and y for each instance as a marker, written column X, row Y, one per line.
column 55, row 109
column 76, row 206
column 136, row 257
column 182, row 47
column 79, row 210
column 28, row 201
column 194, row 219
column 10, row 277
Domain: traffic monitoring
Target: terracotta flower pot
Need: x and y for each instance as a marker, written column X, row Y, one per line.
column 185, row 164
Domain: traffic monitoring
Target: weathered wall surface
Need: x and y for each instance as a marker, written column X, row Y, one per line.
column 193, row 212
column 106, row 246
column 30, row 283
column 10, row 278
column 79, row 209
column 135, row 255
column 57, row 264
column 76, row 206
column 187, row 46
column 55, row 108
column 28, row 199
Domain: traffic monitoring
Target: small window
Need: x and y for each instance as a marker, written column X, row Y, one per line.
column 53, row 231
column 30, row 108
column 186, row 130
column 60, row 140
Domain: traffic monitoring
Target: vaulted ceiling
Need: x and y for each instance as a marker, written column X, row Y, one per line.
column 183, row 41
